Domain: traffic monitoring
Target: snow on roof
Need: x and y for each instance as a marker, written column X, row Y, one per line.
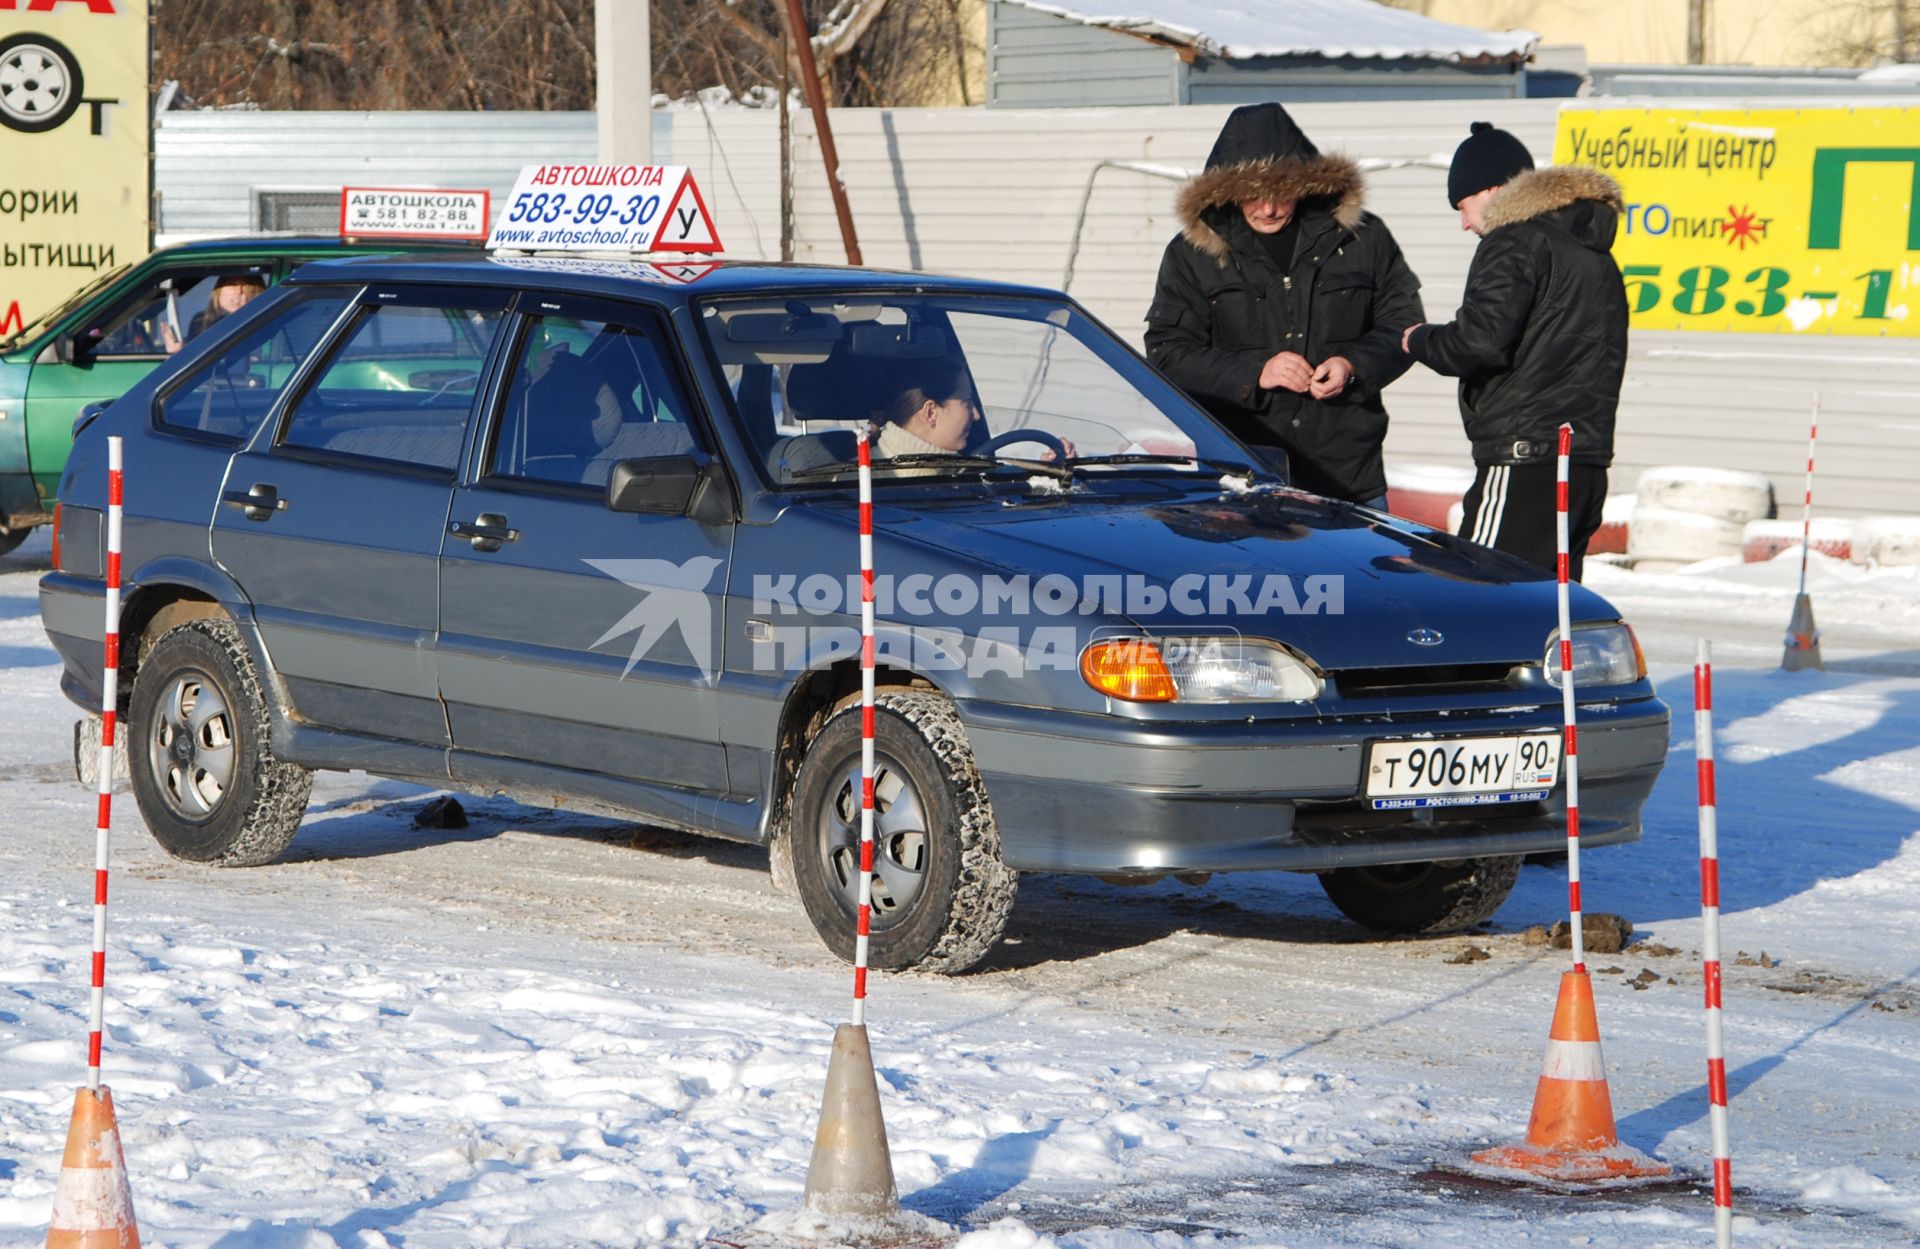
column 1238, row 29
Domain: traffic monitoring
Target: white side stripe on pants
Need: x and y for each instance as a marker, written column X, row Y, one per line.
column 1493, row 505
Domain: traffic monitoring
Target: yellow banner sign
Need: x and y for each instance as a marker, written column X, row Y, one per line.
column 74, row 133
column 1790, row 220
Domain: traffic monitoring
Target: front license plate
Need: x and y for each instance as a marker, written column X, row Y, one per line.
column 1462, row 772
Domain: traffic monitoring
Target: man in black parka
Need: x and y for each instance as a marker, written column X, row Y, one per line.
column 1540, row 340
column 1280, row 306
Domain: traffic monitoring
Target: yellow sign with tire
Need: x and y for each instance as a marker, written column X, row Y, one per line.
column 74, row 138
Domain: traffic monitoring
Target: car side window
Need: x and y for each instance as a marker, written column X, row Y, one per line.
column 585, row 395
column 173, row 309
column 228, row 396
column 399, row 387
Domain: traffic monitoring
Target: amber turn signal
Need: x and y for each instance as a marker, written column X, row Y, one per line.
column 1128, row 668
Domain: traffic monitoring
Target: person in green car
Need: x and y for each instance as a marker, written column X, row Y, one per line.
column 231, row 293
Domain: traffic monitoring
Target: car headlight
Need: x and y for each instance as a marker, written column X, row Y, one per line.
column 1603, row 654
column 1197, row 670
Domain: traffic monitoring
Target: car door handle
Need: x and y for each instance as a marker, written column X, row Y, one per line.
column 259, row 502
column 486, row 531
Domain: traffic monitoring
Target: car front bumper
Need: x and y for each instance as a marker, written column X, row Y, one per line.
column 1106, row 796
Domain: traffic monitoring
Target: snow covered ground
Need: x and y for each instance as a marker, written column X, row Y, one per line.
column 547, row 1029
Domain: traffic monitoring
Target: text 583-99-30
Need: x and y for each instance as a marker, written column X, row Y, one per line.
column 550, row 207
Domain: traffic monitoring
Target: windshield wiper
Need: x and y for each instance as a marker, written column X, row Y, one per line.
column 1226, row 468
column 979, row 463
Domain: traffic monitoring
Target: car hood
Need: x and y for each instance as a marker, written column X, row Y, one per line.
column 1389, row 593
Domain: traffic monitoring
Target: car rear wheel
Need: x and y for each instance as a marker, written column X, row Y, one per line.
column 10, row 539
column 941, row 895
column 203, row 771
column 1423, row 897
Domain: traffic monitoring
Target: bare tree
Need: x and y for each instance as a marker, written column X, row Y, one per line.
column 378, row 54
column 1871, row 32
column 538, row 54
column 872, row 53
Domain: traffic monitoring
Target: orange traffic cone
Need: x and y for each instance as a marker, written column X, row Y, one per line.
column 93, row 1207
column 1571, row 1137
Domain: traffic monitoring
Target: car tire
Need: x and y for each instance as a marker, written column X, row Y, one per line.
column 942, row 895
column 40, row 83
column 1662, row 538
column 203, row 770
column 10, row 540
column 1423, row 897
column 1722, row 493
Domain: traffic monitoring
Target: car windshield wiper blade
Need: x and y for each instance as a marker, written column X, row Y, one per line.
column 975, row 463
column 1228, row 468
column 987, row 462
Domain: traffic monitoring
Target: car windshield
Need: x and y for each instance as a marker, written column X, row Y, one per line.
column 952, row 386
column 46, row 320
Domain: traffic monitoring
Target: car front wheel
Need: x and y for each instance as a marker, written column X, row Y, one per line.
column 941, row 895
column 203, row 771
column 1423, row 897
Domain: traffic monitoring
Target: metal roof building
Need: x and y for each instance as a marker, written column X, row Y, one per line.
column 1081, row 53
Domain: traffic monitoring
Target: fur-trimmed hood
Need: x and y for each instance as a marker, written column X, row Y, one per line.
column 1334, row 181
column 1262, row 154
column 1541, row 191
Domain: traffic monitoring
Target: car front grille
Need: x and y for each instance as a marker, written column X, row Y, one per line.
column 1428, row 679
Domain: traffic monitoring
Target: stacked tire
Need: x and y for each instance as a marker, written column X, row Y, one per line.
column 1887, row 541
column 1766, row 539
column 1427, row 493
column 1684, row 515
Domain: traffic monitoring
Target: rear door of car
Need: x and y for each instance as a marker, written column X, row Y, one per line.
column 573, row 635
column 331, row 520
column 114, row 349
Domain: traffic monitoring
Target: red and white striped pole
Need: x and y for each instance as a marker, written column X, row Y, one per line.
column 864, row 919
column 851, row 1173
column 1564, row 562
column 109, row 704
column 1710, row 947
column 1806, row 504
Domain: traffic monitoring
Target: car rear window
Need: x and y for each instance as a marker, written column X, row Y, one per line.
column 227, row 397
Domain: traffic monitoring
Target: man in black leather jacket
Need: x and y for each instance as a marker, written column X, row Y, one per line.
column 1540, row 340
column 1279, row 308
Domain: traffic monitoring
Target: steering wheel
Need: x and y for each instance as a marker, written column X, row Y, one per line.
column 1015, row 436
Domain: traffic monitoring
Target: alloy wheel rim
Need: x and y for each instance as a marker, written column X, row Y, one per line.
column 33, row 83
column 191, row 747
column 902, row 842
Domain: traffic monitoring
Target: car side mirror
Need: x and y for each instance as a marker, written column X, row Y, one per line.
column 88, row 414
column 69, row 347
column 671, row 485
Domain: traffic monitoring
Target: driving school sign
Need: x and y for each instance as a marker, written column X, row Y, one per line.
column 419, row 212
column 1769, row 220
column 633, row 208
column 73, row 147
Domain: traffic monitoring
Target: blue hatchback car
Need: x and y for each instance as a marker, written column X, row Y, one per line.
column 583, row 532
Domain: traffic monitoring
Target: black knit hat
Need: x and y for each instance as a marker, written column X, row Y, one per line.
column 1487, row 157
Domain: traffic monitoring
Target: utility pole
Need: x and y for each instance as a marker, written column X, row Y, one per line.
column 786, row 148
column 1696, row 32
column 623, row 82
column 817, row 103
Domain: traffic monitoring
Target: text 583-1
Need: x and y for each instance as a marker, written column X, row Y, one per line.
column 549, row 207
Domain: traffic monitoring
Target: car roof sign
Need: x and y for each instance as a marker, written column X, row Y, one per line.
column 631, row 209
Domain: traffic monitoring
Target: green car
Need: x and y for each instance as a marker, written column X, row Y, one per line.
column 107, row 336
